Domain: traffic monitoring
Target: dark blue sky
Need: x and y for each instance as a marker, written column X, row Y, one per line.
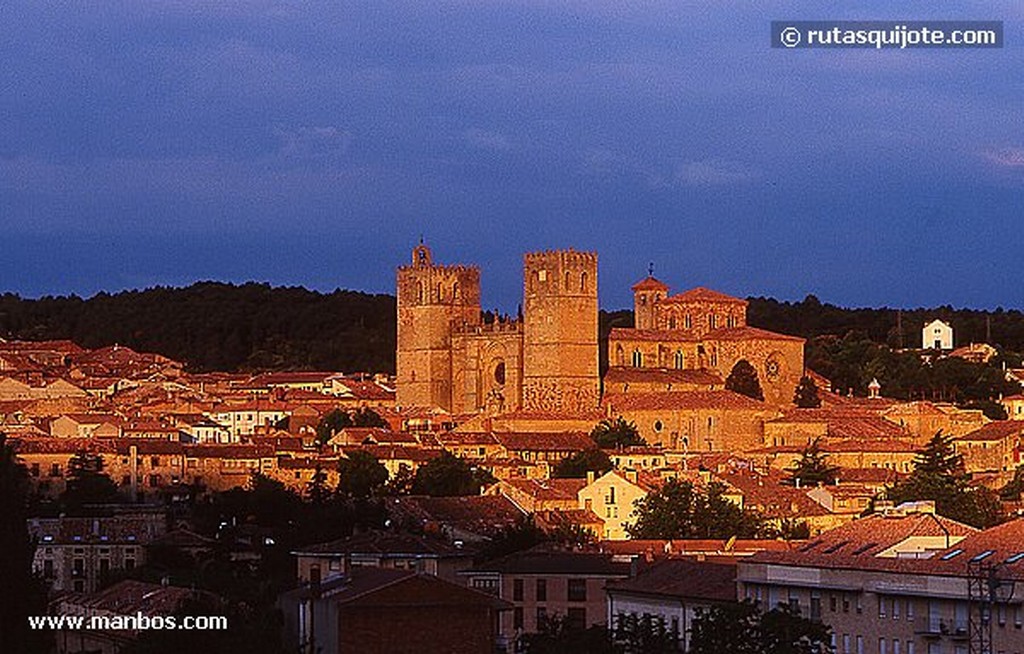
column 312, row 143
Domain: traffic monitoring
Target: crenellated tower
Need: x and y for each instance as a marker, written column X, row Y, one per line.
column 560, row 354
column 432, row 301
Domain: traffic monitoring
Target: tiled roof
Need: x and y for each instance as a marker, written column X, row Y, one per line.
column 995, row 431
column 701, row 294
column 483, row 514
column 629, row 375
column 383, row 543
column 548, row 489
column 682, row 578
column 543, row 561
column 570, row 441
column 683, row 400
column 655, row 335
column 749, row 334
column 131, row 597
column 649, row 284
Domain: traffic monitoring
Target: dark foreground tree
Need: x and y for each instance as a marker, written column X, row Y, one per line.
column 87, row 483
column 333, row 422
column 679, row 510
column 578, row 465
column 743, row 380
column 806, row 395
column 447, row 476
column 812, row 468
column 939, row 475
column 360, row 475
column 24, row 594
column 609, row 434
column 741, row 628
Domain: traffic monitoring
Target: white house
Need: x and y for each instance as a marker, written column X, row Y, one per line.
column 937, row 335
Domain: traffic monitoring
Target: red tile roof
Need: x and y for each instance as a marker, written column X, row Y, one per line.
column 629, row 375
column 682, row 578
column 749, row 334
column 649, row 284
column 702, row 294
column 683, row 400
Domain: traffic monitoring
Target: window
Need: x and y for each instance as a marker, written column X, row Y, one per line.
column 542, row 617
column 583, row 281
column 896, row 646
column 846, row 604
column 910, row 609
column 48, row 569
column 678, row 360
column 577, row 590
column 687, row 321
column 517, row 590
column 517, row 617
column 78, row 568
column 577, row 618
column 568, row 281
column 881, row 606
column 638, row 359
column 832, row 603
column 610, row 497
column 154, row 461
column 712, row 319
column 846, row 644
column 895, row 608
column 860, row 644
column 55, row 470
column 542, row 590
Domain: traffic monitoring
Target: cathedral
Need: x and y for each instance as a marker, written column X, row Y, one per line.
column 547, row 359
column 448, row 357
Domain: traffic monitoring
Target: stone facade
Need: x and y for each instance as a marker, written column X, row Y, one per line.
column 546, row 361
column 702, row 329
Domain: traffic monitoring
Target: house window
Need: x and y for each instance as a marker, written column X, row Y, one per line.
column 55, row 470
column 517, row 590
column 577, row 618
column 583, row 282
column 638, row 359
column 517, row 617
column 658, row 426
column 677, row 360
column 577, row 590
column 542, row 590
column 35, row 469
column 712, row 319
column 542, row 617
column 687, row 321
column 609, row 498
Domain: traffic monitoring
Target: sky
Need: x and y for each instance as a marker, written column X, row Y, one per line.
column 313, row 144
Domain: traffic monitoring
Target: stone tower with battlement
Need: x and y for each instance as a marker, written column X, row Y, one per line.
column 432, row 300
column 560, row 352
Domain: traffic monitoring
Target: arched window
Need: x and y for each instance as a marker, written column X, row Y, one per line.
column 419, row 293
column 714, row 357
column 455, row 291
column 712, row 319
column 620, row 356
column 671, row 322
column 440, row 292
column 687, row 321
column 583, row 281
column 678, row 360
column 638, row 359
column 568, row 287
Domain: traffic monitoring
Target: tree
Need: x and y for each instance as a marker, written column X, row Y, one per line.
column 333, row 422
column 806, row 395
column 610, row 434
column 939, row 475
column 679, row 510
column 367, row 417
column 813, row 468
column 447, row 476
column 87, row 483
column 579, row 464
column 743, row 380
column 1011, row 492
column 361, row 475
column 316, row 489
column 24, row 593
column 784, row 631
column 741, row 628
column 645, row 634
column 728, row 628
column 559, row 635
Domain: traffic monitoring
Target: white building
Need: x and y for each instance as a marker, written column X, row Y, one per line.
column 937, row 335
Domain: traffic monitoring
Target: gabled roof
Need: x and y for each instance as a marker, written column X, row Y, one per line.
column 702, row 294
column 683, row 400
column 683, row 578
column 649, row 284
column 543, row 561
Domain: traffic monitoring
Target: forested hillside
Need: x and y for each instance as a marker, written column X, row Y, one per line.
column 217, row 326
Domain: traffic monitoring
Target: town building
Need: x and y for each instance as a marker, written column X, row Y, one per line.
column 937, row 335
